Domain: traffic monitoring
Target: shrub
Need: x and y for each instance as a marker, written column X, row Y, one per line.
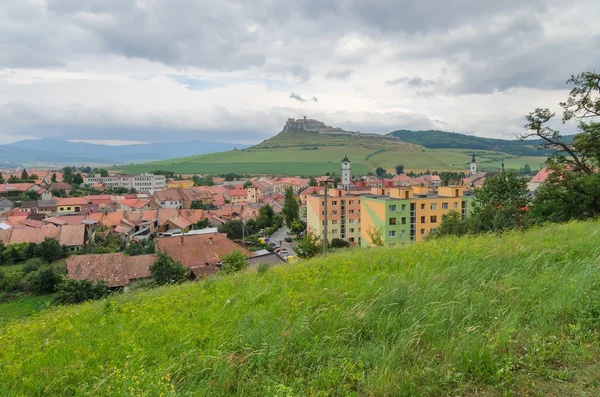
column 32, row 265
column 77, row 291
column 11, row 282
column 167, row 270
column 50, row 250
column 44, row 281
column 263, row 268
column 234, row 262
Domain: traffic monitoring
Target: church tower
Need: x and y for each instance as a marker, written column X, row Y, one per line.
column 346, row 173
column 473, row 170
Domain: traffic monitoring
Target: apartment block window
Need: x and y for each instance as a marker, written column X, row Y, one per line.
column 422, row 206
column 334, row 222
column 433, row 230
column 422, row 219
column 392, row 221
column 334, row 212
column 444, row 206
column 351, row 212
column 392, row 207
column 350, row 220
column 351, row 230
column 334, row 203
column 433, row 206
column 403, row 220
column 392, row 233
column 433, row 219
column 322, row 212
column 333, row 231
column 422, row 232
column 358, row 201
column 403, row 233
column 455, row 205
column 350, row 202
column 403, row 207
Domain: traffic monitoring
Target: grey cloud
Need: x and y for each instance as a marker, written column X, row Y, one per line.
column 342, row 74
column 299, row 98
column 417, row 82
column 300, row 72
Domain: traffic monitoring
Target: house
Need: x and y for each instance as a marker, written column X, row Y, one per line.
column 29, row 206
column 47, row 207
column 116, row 270
column 309, row 191
column 6, row 205
column 270, row 258
column 201, row 253
column 195, row 195
column 62, row 187
column 134, row 205
column 71, row 205
column 537, row 180
column 167, row 198
column 186, row 184
column 14, row 189
column 237, row 196
column 73, row 237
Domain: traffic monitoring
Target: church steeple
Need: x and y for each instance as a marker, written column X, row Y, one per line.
column 473, row 169
column 346, row 173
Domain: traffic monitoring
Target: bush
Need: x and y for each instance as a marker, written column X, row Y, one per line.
column 167, row 270
column 44, row 281
column 32, row 265
column 11, row 282
column 263, row 268
column 77, row 291
column 50, row 250
column 234, row 262
column 339, row 243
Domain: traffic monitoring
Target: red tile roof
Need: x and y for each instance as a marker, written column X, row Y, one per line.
column 72, row 201
column 116, row 270
column 541, row 176
column 238, row 192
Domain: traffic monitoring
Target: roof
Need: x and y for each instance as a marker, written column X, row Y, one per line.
column 72, row 201
column 116, row 270
column 72, row 235
column 168, row 195
column 29, row 204
column 238, row 192
column 345, row 159
column 541, row 176
column 60, row 186
column 29, row 235
column 312, row 189
column 15, row 187
column 47, row 203
column 204, row 251
column 6, row 203
column 180, row 222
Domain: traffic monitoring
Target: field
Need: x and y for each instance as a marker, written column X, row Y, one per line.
column 316, row 154
column 21, row 306
column 490, row 316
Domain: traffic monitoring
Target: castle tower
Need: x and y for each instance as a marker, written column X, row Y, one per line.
column 346, row 173
column 473, row 170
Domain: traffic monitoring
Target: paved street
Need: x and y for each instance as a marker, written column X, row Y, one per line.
column 278, row 237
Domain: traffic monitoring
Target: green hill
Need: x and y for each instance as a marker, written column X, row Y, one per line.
column 490, row 316
column 308, row 153
column 434, row 139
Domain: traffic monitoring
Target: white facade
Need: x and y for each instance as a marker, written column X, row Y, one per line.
column 346, row 175
column 148, row 181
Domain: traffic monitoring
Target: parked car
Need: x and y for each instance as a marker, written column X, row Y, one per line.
column 277, row 250
column 287, row 239
column 284, row 252
column 273, row 244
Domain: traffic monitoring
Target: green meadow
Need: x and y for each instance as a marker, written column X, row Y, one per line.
column 315, row 154
column 478, row 316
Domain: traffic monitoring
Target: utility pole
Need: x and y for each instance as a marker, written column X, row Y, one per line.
column 325, row 217
column 243, row 234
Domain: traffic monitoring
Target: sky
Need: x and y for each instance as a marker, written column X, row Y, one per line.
column 119, row 71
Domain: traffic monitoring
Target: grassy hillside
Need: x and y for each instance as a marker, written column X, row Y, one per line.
column 516, row 315
column 434, row 139
column 306, row 153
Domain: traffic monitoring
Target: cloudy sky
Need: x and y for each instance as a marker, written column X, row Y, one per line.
column 165, row 70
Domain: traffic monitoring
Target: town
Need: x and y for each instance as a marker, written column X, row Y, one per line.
column 180, row 215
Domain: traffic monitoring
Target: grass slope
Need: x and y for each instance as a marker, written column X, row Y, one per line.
column 295, row 154
column 516, row 315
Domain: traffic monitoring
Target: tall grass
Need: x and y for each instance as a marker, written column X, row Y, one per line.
column 514, row 315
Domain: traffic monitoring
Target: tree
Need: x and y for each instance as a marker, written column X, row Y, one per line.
column 376, row 236
column 399, row 169
column 44, row 281
column 1, row 179
column 452, row 224
column 167, row 270
column 202, row 224
column 309, row 246
column 70, row 291
column 248, row 184
column 53, row 177
column 24, row 175
column 68, row 175
column 144, row 247
column 265, row 217
column 234, row 261
column 290, row 207
column 380, row 172
column 50, row 250
column 77, row 179
column 233, row 229
column 526, row 169
column 298, row 227
column 312, row 181
column 339, row 243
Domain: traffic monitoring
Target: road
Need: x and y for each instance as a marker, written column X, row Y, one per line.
column 278, row 237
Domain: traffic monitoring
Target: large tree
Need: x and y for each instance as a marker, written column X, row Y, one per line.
column 167, row 270
column 571, row 191
column 68, row 174
column 290, row 209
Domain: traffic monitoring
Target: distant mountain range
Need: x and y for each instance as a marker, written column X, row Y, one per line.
column 434, row 139
column 59, row 152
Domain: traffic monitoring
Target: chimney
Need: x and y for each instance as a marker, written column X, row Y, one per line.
column 210, row 240
column 181, row 239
